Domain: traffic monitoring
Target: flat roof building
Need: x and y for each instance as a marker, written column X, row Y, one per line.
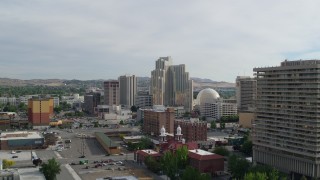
column 21, row 140
column 286, row 128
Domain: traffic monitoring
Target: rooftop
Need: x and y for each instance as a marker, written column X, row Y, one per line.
column 149, row 151
column 19, row 135
column 203, row 155
column 201, row 152
column 105, row 139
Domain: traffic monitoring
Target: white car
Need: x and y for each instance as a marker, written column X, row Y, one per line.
column 13, row 152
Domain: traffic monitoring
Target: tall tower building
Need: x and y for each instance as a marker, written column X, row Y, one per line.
column 128, row 90
column 286, row 130
column 111, row 92
column 170, row 84
column 246, row 91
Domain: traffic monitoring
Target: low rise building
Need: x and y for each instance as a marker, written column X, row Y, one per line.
column 21, row 140
column 192, row 130
column 107, row 144
column 206, row 162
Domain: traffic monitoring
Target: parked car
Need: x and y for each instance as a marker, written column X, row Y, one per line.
column 14, row 156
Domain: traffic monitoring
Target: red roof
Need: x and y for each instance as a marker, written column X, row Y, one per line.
column 174, row 145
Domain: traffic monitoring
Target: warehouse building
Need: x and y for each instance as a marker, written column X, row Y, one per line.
column 20, row 140
column 107, row 143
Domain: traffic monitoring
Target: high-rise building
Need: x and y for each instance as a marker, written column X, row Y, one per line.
column 246, row 91
column 91, row 101
column 143, row 100
column 128, row 90
column 170, row 84
column 286, row 127
column 39, row 111
column 111, row 92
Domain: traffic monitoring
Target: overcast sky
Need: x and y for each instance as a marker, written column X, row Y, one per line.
column 103, row 39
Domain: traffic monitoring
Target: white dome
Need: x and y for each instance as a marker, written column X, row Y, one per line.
column 207, row 95
column 162, row 131
column 178, row 130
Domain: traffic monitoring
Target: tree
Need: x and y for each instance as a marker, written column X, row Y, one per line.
column 7, row 163
column 134, row 108
column 182, row 157
column 152, row 164
column 222, row 125
column 173, row 164
column 213, row 125
column 191, row 173
column 238, row 166
column 257, row 176
column 169, row 165
column 50, row 169
column 121, row 122
column 221, row 151
column 247, row 148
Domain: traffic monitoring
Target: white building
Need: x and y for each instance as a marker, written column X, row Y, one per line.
column 128, row 90
column 212, row 106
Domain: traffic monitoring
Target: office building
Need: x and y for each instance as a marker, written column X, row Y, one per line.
column 154, row 119
column 39, row 111
column 285, row 131
column 246, row 91
column 143, row 100
column 170, row 84
column 111, row 93
column 91, row 101
column 128, row 90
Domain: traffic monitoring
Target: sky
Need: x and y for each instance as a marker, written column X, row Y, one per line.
column 103, row 39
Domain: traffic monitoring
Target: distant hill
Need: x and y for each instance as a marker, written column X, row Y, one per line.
column 199, row 83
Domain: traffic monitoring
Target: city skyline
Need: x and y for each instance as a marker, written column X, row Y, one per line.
column 105, row 39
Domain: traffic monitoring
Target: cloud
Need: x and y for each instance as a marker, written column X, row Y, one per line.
column 104, row 39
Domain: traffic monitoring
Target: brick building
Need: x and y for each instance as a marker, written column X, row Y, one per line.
column 111, row 92
column 39, row 111
column 192, row 130
column 155, row 119
column 206, row 162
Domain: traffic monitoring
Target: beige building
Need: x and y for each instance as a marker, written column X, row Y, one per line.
column 286, row 131
column 154, row 119
column 246, row 92
column 171, row 85
column 111, row 93
column 246, row 119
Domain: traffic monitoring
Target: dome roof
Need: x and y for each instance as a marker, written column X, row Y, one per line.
column 207, row 95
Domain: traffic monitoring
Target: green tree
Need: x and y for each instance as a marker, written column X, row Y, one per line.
column 257, row 176
column 7, row 163
column 274, row 174
column 221, row 150
column 169, row 165
column 238, row 166
column 191, row 173
column 50, row 169
column 213, row 125
column 121, row 122
column 152, row 164
column 247, row 148
column 303, row 178
column 57, row 109
column 182, row 157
